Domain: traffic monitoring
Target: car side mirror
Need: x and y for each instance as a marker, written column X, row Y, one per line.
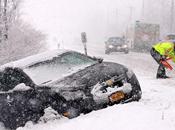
column 99, row 59
column 21, row 87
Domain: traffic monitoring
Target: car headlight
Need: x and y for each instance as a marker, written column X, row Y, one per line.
column 129, row 73
column 124, row 46
column 110, row 46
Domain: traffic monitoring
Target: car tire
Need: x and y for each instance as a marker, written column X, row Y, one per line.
column 73, row 112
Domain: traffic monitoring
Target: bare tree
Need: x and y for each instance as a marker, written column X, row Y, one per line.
column 5, row 21
column 17, row 38
column 1, row 23
column 8, row 13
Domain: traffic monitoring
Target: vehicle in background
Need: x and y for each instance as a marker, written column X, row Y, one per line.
column 116, row 44
column 143, row 36
column 69, row 82
column 171, row 36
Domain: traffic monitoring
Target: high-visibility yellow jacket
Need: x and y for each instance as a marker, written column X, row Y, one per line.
column 166, row 49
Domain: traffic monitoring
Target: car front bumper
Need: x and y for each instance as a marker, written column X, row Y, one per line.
column 117, row 49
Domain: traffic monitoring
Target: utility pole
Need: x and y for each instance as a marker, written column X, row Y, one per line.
column 172, row 17
column 0, row 10
column 116, row 15
column 3, row 20
column 129, row 21
column 130, row 15
column 143, row 10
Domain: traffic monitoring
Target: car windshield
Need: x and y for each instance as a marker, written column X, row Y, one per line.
column 115, row 40
column 171, row 36
column 58, row 67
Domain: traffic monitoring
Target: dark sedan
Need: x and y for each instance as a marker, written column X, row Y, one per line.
column 116, row 44
column 69, row 82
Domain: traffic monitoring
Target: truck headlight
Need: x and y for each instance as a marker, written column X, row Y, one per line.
column 124, row 46
column 110, row 46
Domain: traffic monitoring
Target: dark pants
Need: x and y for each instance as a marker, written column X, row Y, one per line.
column 161, row 69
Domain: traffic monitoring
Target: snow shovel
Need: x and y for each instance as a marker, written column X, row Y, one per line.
column 166, row 64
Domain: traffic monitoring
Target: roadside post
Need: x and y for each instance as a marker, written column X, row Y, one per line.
column 84, row 41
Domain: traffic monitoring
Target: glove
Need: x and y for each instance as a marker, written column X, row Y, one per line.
column 163, row 58
column 166, row 64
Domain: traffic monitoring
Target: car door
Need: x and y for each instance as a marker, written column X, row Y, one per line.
column 18, row 100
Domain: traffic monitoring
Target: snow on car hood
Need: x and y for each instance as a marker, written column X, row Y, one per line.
column 49, row 73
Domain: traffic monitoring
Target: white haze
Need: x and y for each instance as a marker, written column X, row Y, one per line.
column 64, row 20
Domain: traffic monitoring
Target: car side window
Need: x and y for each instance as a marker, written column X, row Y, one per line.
column 11, row 77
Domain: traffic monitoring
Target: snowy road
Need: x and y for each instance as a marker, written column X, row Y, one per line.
column 156, row 109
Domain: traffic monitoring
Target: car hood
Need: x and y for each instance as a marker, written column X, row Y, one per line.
column 79, row 84
column 116, row 44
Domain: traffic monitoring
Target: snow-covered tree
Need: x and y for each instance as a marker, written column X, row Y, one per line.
column 17, row 38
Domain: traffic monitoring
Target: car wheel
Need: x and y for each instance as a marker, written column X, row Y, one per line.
column 136, row 92
column 71, row 113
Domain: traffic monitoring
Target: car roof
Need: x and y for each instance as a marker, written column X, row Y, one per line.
column 22, row 63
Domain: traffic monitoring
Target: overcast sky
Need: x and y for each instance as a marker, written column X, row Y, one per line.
column 66, row 19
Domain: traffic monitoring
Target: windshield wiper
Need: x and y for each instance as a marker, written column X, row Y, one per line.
column 46, row 82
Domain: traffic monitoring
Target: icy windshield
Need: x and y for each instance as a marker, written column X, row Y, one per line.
column 58, row 67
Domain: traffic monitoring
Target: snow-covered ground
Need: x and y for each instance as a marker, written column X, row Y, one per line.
column 156, row 109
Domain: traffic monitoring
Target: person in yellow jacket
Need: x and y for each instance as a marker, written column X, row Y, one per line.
column 160, row 52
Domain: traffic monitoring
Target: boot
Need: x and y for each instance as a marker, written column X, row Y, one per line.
column 162, row 77
column 161, row 72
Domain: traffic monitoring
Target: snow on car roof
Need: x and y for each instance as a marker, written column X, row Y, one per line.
column 22, row 63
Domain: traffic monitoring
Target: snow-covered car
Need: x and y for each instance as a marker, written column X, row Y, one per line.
column 116, row 44
column 69, row 82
